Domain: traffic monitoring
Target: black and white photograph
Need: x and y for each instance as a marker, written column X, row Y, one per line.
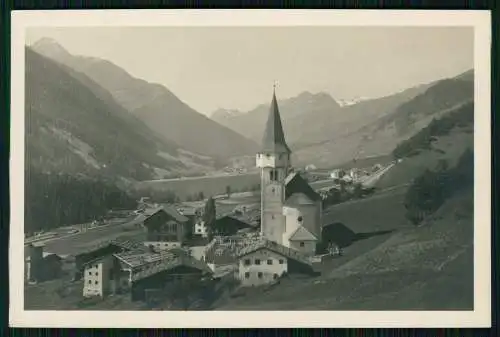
column 251, row 164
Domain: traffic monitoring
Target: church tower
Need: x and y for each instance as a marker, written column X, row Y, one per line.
column 274, row 163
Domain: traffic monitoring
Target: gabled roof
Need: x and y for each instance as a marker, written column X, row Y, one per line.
column 170, row 210
column 147, row 264
column 274, row 247
column 245, row 221
column 274, row 137
column 120, row 243
column 294, row 183
column 302, row 234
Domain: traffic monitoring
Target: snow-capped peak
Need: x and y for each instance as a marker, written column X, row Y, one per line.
column 352, row 101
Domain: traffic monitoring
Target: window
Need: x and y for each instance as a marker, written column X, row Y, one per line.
column 257, row 261
column 259, row 275
column 96, row 282
column 299, row 219
column 275, row 276
column 247, row 275
column 273, row 175
column 269, row 261
column 90, row 281
column 199, row 230
column 96, row 274
column 90, row 273
column 281, row 261
column 302, row 243
column 247, row 262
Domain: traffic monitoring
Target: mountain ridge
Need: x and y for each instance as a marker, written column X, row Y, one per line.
column 75, row 126
column 156, row 106
column 320, row 131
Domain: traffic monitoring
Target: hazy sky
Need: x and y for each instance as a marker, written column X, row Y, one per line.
column 235, row 67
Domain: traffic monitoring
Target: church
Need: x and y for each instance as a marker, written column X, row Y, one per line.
column 290, row 208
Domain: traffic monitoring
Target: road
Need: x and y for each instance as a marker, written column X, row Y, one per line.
column 370, row 181
column 67, row 244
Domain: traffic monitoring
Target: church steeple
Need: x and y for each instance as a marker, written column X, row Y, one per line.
column 274, row 137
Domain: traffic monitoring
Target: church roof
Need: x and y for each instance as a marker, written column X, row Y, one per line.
column 299, row 199
column 274, row 137
column 294, row 183
column 302, row 234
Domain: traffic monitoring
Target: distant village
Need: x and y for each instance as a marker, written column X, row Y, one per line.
column 200, row 245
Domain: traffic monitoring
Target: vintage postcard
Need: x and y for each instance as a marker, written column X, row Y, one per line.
column 250, row 168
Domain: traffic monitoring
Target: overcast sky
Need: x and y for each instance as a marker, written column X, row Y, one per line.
column 235, row 68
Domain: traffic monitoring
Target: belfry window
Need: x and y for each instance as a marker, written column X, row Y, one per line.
column 273, row 175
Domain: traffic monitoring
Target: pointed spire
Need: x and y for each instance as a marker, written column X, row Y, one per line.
column 274, row 137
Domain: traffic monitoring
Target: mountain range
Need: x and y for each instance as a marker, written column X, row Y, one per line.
column 75, row 126
column 323, row 132
column 160, row 136
column 155, row 105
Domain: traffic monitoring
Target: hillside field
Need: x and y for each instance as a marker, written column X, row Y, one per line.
column 414, row 268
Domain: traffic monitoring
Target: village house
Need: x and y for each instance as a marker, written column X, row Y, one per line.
column 200, row 229
column 290, row 209
column 354, row 173
column 166, row 228
column 266, row 261
column 98, row 268
column 98, row 277
column 163, row 272
column 40, row 266
column 230, row 224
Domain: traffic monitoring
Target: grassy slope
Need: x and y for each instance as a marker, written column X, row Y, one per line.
column 156, row 106
column 74, row 126
column 375, row 129
column 411, row 268
column 448, row 148
column 415, row 268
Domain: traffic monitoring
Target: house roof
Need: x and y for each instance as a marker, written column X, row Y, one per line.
column 302, row 234
column 244, row 220
column 54, row 257
column 147, row 264
column 294, row 183
column 168, row 209
column 130, row 245
column 275, row 247
column 274, row 137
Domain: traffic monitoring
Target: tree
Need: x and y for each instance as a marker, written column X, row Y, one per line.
column 228, row 191
column 209, row 217
column 425, row 196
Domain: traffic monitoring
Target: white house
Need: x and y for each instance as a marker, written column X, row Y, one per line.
column 200, row 228
column 97, row 277
column 265, row 262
